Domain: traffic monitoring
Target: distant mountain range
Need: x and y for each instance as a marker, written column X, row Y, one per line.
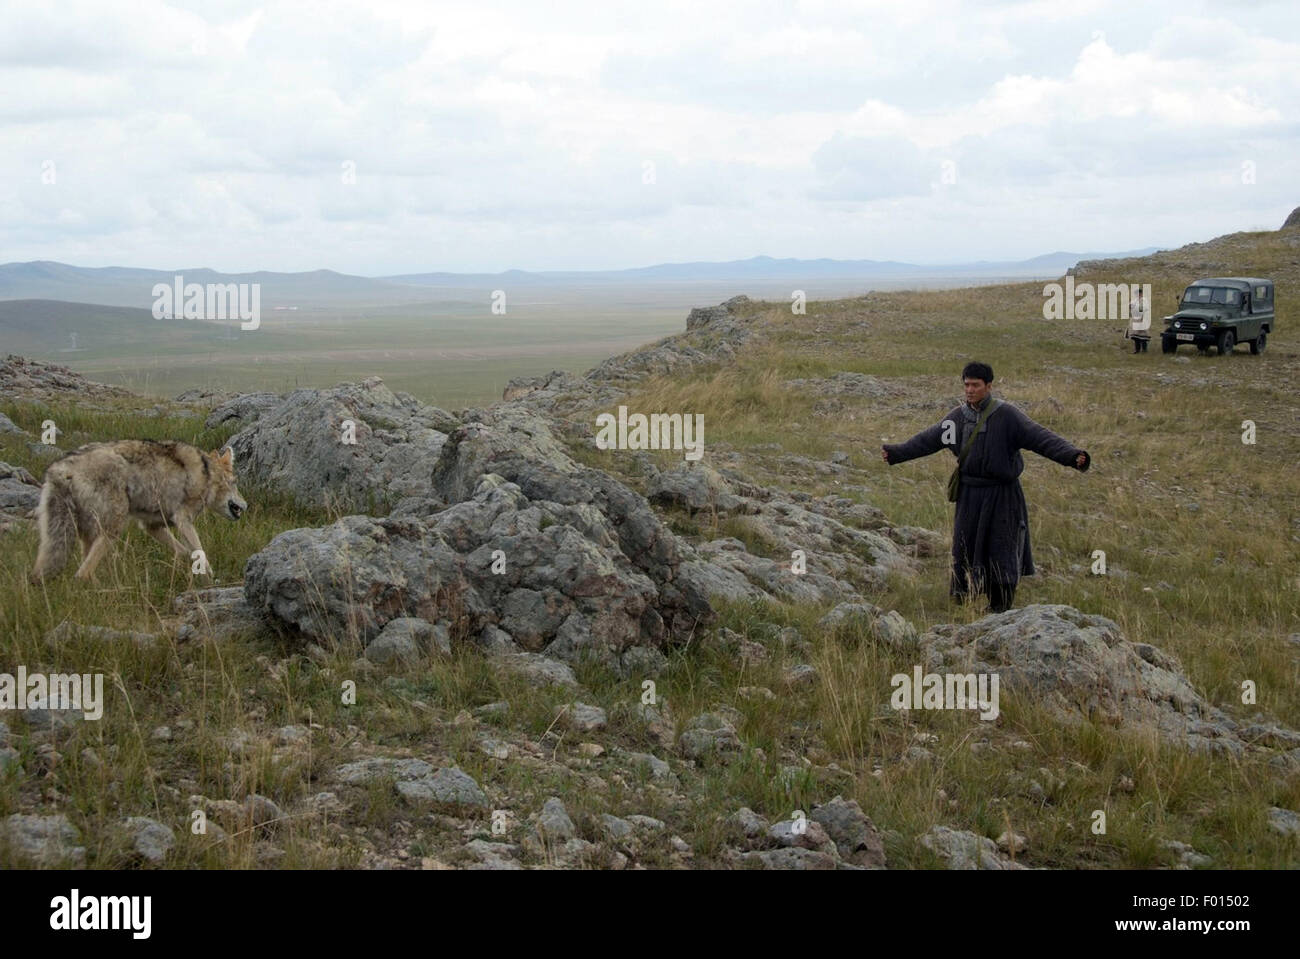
column 132, row 287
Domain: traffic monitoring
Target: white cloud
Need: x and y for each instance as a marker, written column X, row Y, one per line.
column 517, row 135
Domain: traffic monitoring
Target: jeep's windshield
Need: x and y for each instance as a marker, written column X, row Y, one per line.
column 1211, row 295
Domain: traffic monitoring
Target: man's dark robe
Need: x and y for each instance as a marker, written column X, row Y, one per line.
column 990, row 537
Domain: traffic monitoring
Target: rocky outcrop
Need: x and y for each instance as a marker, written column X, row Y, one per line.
column 713, row 335
column 536, row 552
column 21, row 378
column 550, row 575
column 305, row 446
column 1292, row 221
column 243, row 409
column 1081, row 666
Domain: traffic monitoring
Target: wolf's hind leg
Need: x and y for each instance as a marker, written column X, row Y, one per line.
column 101, row 530
column 96, row 553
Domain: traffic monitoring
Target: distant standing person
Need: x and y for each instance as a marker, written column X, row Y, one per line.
column 990, row 536
column 1139, row 330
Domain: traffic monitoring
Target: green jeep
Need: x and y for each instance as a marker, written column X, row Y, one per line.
column 1222, row 311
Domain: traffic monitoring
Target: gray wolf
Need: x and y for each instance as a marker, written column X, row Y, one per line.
column 92, row 493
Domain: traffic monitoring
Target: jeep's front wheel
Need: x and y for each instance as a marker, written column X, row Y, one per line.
column 1257, row 344
column 1227, row 340
column 1168, row 345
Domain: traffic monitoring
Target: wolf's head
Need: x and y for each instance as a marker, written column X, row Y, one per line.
column 223, row 496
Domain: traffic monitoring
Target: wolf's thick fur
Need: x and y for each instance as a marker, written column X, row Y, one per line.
column 93, row 492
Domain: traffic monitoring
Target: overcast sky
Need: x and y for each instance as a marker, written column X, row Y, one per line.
column 489, row 136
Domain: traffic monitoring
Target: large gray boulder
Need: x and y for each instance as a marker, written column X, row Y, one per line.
column 299, row 445
column 559, row 576
column 1082, row 666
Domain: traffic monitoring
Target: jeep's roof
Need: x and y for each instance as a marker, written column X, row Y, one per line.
column 1237, row 282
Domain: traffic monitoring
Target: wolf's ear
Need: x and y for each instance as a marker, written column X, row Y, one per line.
column 227, row 456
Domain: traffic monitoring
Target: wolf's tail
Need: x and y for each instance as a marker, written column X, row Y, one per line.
column 57, row 521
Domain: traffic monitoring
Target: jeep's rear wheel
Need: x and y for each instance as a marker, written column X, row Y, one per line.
column 1168, row 345
column 1257, row 344
column 1227, row 340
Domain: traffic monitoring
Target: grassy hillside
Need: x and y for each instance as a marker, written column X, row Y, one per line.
column 1201, row 533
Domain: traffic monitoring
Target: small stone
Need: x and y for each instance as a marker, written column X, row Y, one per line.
column 1188, row 857
column 583, row 718
column 748, row 822
column 709, row 736
column 965, row 850
column 657, row 768
column 1284, row 821
column 537, row 670
column 761, row 693
column 370, row 770
column 590, row 750
column 1012, row 842
column 325, row 803
column 262, row 812
column 806, row 833
column 795, row 858
column 493, row 855
column 161, row 734
column 492, row 709
column 801, row 676
column 855, row 836
column 151, row 839
column 791, row 639
column 46, row 840
column 449, row 785
column 553, row 822
column 648, row 823
column 615, row 828
column 292, row 736
column 680, row 846
column 895, row 632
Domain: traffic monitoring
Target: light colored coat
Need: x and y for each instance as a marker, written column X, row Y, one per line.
column 93, row 492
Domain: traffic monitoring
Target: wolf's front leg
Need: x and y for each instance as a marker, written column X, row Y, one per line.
column 191, row 536
column 163, row 534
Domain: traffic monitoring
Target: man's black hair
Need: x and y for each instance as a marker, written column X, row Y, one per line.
column 977, row 371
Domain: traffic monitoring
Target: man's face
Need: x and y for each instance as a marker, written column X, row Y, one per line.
column 976, row 390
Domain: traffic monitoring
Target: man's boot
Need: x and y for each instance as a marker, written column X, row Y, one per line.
column 1001, row 596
